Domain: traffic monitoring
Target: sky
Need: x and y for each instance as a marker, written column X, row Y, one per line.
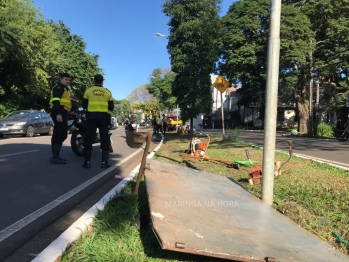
column 122, row 33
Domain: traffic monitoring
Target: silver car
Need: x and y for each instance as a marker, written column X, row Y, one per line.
column 26, row 123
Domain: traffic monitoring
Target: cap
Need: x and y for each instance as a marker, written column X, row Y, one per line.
column 98, row 78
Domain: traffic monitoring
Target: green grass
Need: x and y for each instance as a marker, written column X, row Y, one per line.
column 115, row 237
column 314, row 195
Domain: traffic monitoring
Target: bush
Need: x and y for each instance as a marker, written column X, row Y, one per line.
column 233, row 134
column 324, row 130
column 4, row 111
column 294, row 132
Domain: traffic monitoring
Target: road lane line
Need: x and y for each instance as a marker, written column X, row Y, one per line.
column 24, row 152
column 340, row 165
column 10, row 230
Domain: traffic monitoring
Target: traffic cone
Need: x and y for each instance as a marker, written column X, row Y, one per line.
column 137, row 130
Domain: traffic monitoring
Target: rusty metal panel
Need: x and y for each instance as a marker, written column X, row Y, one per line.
column 211, row 215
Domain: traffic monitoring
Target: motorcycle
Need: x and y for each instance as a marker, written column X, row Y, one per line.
column 345, row 135
column 78, row 131
column 128, row 126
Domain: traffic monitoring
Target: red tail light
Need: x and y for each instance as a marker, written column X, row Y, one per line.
column 132, row 122
column 70, row 117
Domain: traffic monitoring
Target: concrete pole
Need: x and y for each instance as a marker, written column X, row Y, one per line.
column 311, row 116
column 317, row 106
column 271, row 103
column 177, row 120
column 223, row 129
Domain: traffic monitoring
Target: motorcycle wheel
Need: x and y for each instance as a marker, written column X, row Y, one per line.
column 342, row 137
column 77, row 142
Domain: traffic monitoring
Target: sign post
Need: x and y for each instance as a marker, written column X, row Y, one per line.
column 221, row 84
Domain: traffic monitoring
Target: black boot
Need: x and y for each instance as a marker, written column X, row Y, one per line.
column 87, row 156
column 54, row 150
column 56, row 159
column 105, row 157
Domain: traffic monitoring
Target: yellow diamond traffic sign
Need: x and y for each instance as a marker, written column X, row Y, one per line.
column 221, row 84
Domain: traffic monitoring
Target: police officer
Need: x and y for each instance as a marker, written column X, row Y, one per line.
column 98, row 101
column 60, row 105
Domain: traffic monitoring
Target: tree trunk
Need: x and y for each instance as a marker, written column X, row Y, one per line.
column 191, row 126
column 303, row 119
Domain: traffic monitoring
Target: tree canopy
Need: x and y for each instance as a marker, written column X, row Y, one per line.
column 193, row 47
column 140, row 95
column 160, row 87
column 312, row 47
column 32, row 54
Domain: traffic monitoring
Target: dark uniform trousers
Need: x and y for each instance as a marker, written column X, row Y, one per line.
column 102, row 122
column 60, row 131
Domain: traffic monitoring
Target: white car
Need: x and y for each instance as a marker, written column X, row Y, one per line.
column 114, row 123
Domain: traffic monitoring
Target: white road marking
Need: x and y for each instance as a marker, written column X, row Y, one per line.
column 10, row 230
column 19, row 153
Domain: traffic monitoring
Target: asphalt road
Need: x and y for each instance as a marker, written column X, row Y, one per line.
column 325, row 150
column 35, row 193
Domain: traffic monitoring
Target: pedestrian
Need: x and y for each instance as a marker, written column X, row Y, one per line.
column 159, row 124
column 155, row 126
column 60, row 104
column 164, row 124
column 97, row 101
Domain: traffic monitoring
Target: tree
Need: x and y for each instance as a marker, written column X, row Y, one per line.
column 122, row 108
column 27, row 46
column 139, row 95
column 314, row 40
column 329, row 19
column 160, row 87
column 193, row 45
column 33, row 53
column 74, row 60
column 150, row 108
column 244, row 52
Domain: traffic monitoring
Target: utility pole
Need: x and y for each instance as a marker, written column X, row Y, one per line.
column 311, row 116
column 222, row 111
column 271, row 103
column 317, row 105
column 177, row 119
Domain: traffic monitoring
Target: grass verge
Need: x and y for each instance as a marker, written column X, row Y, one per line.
column 115, row 237
column 313, row 195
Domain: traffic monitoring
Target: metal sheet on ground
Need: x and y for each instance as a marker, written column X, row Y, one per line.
column 207, row 214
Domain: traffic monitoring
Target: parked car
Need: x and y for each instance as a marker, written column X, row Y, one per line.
column 114, row 123
column 26, row 123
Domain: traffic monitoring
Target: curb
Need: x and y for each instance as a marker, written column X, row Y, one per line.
column 52, row 252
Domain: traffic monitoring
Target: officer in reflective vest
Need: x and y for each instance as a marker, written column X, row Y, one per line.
column 98, row 101
column 60, row 105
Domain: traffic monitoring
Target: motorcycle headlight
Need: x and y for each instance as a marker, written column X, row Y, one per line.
column 79, row 120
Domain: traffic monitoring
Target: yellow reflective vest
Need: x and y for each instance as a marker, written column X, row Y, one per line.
column 64, row 100
column 98, row 97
